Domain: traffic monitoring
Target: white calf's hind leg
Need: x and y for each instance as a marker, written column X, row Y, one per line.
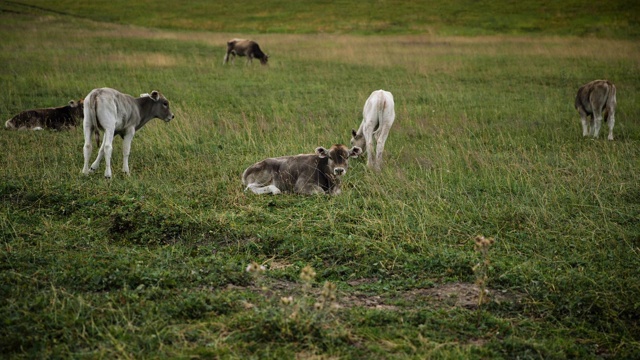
column 88, row 147
column 585, row 124
column 597, row 123
column 106, row 149
column 368, row 138
column 611, row 120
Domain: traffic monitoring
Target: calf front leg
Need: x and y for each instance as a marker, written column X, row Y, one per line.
column 126, row 149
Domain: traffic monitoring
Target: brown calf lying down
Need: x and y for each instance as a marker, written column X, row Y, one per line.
column 318, row 173
column 596, row 99
column 57, row 118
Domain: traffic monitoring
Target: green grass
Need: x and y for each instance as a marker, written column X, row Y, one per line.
column 617, row 18
column 486, row 141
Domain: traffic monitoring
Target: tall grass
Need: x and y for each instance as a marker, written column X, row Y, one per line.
column 486, row 141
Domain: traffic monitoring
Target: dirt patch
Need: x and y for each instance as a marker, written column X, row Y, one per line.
column 463, row 295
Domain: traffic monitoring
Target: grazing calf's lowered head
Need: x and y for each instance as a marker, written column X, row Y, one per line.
column 596, row 99
column 318, row 173
column 57, row 118
column 121, row 114
column 248, row 48
column 378, row 115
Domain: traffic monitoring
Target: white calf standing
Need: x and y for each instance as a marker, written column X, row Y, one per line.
column 377, row 117
column 120, row 114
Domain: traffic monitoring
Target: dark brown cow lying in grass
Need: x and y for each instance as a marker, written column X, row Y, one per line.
column 596, row 99
column 318, row 173
column 248, row 48
column 58, row 118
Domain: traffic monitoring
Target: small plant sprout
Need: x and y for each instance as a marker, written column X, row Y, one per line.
column 255, row 268
column 327, row 296
column 286, row 300
column 307, row 274
column 256, row 271
column 481, row 269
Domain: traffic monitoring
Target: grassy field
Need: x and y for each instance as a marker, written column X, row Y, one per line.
column 486, row 142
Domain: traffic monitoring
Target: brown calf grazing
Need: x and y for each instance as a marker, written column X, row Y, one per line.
column 248, row 48
column 596, row 99
column 58, row 118
column 318, row 173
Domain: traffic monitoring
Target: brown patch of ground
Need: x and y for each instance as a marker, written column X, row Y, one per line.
column 459, row 294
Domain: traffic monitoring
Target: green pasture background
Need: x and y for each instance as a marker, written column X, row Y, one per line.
column 486, row 142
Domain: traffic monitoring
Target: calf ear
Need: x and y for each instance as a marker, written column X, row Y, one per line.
column 322, row 152
column 355, row 151
column 155, row 95
column 72, row 103
column 353, row 133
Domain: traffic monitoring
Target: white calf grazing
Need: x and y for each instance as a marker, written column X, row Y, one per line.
column 121, row 114
column 377, row 117
column 595, row 99
column 318, row 173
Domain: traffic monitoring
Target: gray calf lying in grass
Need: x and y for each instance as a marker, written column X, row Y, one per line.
column 318, row 173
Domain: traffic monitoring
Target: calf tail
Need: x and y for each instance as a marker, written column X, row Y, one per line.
column 610, row 102
column 90, row 121
column 382, row 106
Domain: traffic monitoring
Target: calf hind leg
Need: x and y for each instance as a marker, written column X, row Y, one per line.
column 87, row 151
column 259, row 189
column 611, row 119
column 105, row 150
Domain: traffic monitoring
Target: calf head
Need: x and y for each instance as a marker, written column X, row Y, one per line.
column 338, row 158
column 264, row 59
column 160, row 106
column 358, row 140
column 77, row 107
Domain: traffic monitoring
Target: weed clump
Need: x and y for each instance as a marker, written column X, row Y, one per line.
column 304, row 315
column 132, row 221
column 481, row 269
